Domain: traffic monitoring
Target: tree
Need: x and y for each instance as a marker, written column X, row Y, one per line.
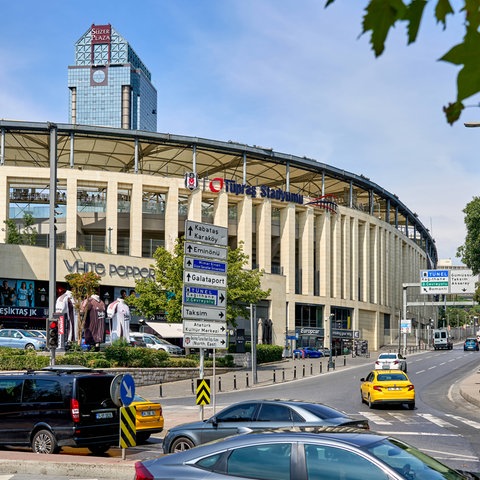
column 14, row 234
column 82, row 286
column 381, row 15
column 469, row 252
column 164, row 294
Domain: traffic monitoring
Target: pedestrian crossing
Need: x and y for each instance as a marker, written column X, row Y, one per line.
column 417, row 419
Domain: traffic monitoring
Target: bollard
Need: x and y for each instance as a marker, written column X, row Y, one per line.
column 193, row 388
column 234, row 382
column 294, row 372
column 303, row 370
column 219, row 384
column 283, row 375
column 321, row 367
column 311, row 369
column 344, row 360
column 274, row 381
column 161, row 390
column 246, row 380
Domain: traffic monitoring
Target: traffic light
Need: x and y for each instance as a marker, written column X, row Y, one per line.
column 52, row 334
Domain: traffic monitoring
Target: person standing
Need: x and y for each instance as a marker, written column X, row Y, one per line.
column 22, row 295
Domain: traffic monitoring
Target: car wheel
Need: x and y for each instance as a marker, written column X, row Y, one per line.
column 29, row 346
column 180, row 444
column 369, row 402
column 142, row 437
column 99, row 449
column 411, row 406
column 44, row 441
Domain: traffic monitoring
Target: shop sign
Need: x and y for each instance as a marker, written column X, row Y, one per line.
column 112, row 270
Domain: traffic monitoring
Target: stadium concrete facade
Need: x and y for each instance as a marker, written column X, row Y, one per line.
column 333, row 245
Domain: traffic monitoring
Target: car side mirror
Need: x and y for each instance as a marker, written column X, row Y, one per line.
column 362, row 379
column 214, row 421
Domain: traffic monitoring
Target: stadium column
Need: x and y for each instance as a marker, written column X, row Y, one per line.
column 112, row 217
column 72, row 207
column 4, row 194
column 306, row 250
column 264, row 235
column 220, row 216
column 136, row 219
column 244, row 226
column 171, row 216
column 195, row 206
column 323, row 257
column 287, row 245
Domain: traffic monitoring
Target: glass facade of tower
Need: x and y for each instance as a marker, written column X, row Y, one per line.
column 109, row 84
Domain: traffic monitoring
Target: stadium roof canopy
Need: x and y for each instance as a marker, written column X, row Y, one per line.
column 162, row 154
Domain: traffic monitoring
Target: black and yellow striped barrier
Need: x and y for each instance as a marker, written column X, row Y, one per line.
column 203, row 391
column 128, row 428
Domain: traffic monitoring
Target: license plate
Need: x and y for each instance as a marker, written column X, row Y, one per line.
column 148, row 413
column 394, row 388
column 101, row 415
column 386, row 366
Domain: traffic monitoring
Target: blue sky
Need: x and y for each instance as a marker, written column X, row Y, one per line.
column 284, row 74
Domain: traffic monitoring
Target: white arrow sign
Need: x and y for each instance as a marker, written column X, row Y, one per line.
column 203, row 313
column 206, row 233
column 205, row 341
column 205, row 251
column 204, row 279
column 202, row 327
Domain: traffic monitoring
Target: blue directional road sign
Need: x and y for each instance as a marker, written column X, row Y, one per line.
column 204, row 264
column 127, row 389
column 204, row 296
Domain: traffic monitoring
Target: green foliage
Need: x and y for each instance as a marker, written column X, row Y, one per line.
column 29, row 231
column 17, row 359
column 469, row 252
column 14, row 234
column 269, row 353
column 382, row 15
column 164, row 294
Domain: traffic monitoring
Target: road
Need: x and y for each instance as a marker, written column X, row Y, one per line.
column 442, row 424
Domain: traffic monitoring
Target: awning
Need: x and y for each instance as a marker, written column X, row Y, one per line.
column 167, row 330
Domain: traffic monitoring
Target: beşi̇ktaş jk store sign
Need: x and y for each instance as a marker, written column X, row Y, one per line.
column 219, row 184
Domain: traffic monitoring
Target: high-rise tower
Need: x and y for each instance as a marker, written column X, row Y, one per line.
column 109, row 84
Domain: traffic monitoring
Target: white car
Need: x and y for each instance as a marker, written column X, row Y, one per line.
column 152, row 341
column 391, row 361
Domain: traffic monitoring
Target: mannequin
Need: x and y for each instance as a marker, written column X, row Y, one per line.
column 65, row 306
column 94, row 327
column 119, row 314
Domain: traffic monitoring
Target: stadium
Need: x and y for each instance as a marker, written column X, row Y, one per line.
column 332, row 244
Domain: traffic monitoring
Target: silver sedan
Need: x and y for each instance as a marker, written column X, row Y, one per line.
column 301, row 454
column 19, row 338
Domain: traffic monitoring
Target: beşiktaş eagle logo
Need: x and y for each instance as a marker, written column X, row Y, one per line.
column 191, row 181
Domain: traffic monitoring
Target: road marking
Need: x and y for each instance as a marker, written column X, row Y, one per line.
column 436, row 420
column 419, row 434
column 420, row 371
column 431, row 368
column 449, row 454
column 407, row 419
column 470, row 423
column 375, row 418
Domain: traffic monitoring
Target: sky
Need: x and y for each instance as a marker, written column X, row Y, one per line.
column 284, row 74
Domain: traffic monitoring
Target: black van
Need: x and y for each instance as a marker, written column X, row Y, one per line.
column 58, row 406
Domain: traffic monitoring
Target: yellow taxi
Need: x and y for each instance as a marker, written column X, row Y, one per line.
column 149, row 418
column 387, row 387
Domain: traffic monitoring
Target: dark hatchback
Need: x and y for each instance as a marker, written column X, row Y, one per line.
column 56, row 407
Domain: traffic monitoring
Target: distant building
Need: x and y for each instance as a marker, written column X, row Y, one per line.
column 109, row 84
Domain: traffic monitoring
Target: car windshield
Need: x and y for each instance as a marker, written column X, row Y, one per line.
column 388, row 377
column 410, row 462
column 26, row 333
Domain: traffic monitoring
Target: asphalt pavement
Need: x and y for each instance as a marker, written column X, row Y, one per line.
column 120, row 463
